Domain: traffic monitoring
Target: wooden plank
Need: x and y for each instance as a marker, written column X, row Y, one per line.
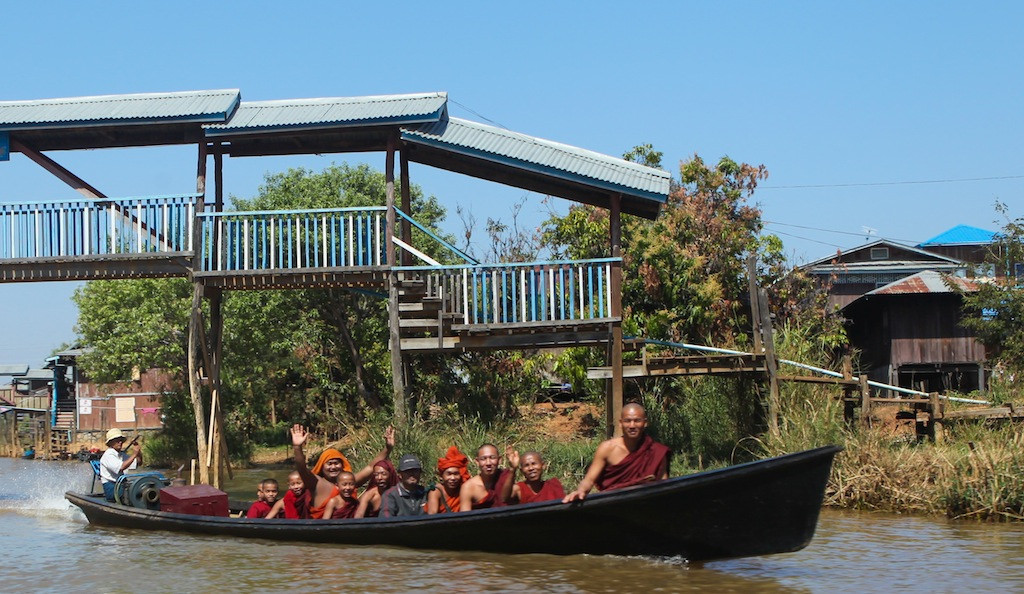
column 768, row 342
column 997, row 412
column 515, row 341
column 814, row 379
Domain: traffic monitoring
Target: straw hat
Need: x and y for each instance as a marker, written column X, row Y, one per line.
column 114, row 434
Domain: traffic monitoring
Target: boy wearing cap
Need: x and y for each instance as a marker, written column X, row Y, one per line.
column 408, row 497
column 114, row 462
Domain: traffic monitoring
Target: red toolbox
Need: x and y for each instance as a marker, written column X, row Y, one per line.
column 196, row 500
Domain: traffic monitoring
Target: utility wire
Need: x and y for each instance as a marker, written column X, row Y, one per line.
column 809, row 239
column 893, row 183
column 477, row 113
column 910, row 241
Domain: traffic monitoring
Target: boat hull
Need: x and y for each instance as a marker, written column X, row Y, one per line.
column 758, row 508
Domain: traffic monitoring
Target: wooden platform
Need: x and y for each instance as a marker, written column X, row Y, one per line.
column 689, row 365
column 99, row 267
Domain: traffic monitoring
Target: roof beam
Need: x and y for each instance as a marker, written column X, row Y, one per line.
column 57, row 170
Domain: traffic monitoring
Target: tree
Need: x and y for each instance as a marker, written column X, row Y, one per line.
column 996, row 310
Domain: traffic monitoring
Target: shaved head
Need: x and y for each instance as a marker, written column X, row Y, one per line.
column 633, row 408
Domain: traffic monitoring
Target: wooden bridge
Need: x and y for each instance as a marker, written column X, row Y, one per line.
column 432, row 306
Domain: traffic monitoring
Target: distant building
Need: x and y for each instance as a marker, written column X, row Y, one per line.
column 909, row 334
column 966, row 244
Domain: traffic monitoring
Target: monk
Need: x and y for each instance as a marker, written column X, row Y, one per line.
column 623, row 461
column 295, row 503
column 534, row 488
column 484, row 490
column 343, row 505
column 453, row 470
column 266, row 497
column 385, row 476
column 321, row 482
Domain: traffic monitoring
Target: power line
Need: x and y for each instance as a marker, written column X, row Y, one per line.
column 893, row 183
column 477, row 113
column 809, row 239
column 910, row 241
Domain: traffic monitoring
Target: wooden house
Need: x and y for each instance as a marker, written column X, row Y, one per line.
column 909, row 334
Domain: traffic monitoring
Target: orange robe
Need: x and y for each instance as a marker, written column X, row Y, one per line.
column 317, row 513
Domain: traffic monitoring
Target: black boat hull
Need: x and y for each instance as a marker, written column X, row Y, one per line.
column 758, row 508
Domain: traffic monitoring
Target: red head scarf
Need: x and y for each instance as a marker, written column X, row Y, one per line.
column 392, row 473
column 331, row 454
column 453, row 458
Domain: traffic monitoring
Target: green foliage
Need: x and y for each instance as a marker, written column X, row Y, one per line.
column 995, row 312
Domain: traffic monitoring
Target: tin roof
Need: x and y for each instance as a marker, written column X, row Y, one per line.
column 332, row 112
column 926, row 256
column 15, row 369
column 37, row 374
column 105, row 121
column 928, row 281
column 961, row 235
column 485, row 147
column 138, row 108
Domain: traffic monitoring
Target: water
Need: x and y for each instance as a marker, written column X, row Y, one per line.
column 46, row 545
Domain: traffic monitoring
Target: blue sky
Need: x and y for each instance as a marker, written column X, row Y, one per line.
column 823, row 94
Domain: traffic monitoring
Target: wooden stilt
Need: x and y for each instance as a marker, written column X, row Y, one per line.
column 865, row 400
column 394, row 336
column 406, row 204
column 613, row 405
column 194, row 385
column 771, row 363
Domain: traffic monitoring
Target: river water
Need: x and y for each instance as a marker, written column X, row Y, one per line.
column 47, row 545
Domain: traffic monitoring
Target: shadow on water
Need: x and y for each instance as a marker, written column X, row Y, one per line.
column 44, row 539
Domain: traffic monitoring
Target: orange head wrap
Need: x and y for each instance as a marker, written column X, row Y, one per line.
column 331, row 454
column 453, row 458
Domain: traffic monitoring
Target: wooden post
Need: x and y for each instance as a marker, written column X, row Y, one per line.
column 195, row 321
column 865, row 400
column 394, row 336
column 214, row 450
column 771, row 364
column 403, row 160
column 936, row 427
column 755, row 315
column 613, row 400
column 847, row 389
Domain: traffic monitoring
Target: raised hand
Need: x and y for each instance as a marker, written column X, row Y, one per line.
column 389, row 437
column 299, row 435
column 512, row 455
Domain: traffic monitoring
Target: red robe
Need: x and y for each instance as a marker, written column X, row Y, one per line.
column 493, row 496
column 296, row 508
column 640, row 466
column 260, row 509
column 346, row 511
column 550, row 489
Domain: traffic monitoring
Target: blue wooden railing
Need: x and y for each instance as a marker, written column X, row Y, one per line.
column 522, row 292
column 96, row 227
column 293, row 239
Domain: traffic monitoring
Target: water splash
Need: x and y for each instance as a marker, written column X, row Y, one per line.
column 39, row 485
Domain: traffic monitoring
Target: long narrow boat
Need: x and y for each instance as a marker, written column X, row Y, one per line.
column 757, row 508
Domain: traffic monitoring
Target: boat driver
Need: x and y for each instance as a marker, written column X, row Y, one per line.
column 115, row 460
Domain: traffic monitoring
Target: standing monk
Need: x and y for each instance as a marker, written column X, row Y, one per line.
column 322, row 481
column 628, row 460
column 484, row 490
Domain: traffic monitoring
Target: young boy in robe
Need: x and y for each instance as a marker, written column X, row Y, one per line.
column 408, row 497
column 295, row 503
column 484, row 490
column 266, row 497
column 453, row 470
column 534, row 488
column 344, row 504
column 384, row 477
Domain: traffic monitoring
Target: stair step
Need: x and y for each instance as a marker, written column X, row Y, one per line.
column 417, row 323
column 424, row 305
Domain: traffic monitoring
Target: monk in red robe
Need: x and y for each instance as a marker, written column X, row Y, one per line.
column 385, row 476
column 454, row 471
column 623, row 461
column 295, row 503
column 322, row 481
column 344, row 504
column 484, row 490
column 534, row 488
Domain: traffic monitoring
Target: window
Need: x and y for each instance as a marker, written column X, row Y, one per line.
column 879, row 253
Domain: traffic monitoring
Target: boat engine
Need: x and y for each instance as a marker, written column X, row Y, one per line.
column 140, row 490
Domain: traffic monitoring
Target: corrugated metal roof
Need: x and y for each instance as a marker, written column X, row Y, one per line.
column 37, row 374
column 927, row 281
column 185, row 106
column 330, row 112
column 961, row 235
column 490, row 142
column 840, row 254
column 15, row 369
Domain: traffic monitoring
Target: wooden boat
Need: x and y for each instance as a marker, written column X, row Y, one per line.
column 757, row 508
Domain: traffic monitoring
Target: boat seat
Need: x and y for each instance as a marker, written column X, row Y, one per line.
column 95, row 464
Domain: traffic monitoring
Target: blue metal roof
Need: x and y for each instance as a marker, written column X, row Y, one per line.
column 106, row 110
column 542, row 156
column 961, row 235
column 332, row 112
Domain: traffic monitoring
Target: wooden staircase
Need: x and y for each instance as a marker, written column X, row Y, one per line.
column 420, row 315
